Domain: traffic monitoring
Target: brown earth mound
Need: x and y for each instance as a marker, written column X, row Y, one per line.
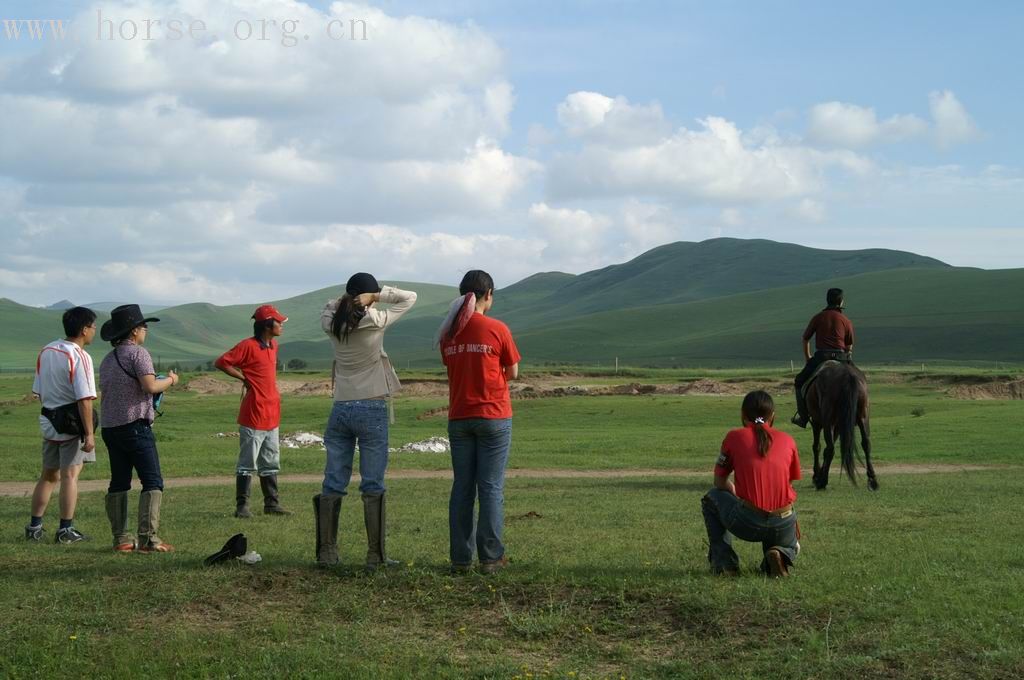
column 320, row 388
column 1008, row 390
column 705, row 386
column 26, row 399
column 207, row 384
column 440, row 412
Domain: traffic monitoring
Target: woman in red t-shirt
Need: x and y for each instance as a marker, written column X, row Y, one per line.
column 481, row 358
column 759, row 506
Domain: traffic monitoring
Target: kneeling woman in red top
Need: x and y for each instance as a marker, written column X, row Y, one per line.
column 481, row 358
column 759, row 506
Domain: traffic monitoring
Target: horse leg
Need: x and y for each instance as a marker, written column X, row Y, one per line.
column 817, row 451
column 865, row 444
column 830, row 451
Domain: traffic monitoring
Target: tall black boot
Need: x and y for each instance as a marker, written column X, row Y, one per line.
column 243, row 484
column 271, row 504
column 801, row 417
column 326, row 510
column 375, row 516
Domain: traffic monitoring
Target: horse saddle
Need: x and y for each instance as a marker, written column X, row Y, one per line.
column 817, row 371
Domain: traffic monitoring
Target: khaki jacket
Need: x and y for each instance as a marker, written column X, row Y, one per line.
column 362, row 369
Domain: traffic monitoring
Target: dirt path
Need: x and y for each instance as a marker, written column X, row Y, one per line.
column 23, row 489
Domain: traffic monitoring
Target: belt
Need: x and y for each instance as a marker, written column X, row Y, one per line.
column 784, row 511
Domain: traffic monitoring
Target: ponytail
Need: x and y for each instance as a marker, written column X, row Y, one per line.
column 758, row 408
column 475, row 285
column 346, row 317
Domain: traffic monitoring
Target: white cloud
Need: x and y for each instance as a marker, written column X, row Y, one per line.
column 604, row 120
column 712, row 164
column 731, row 217
column 400, row 253
column 809, row 210
column 647, row 225
column 584, row 111
column 572, row 236
column 852, row 126
column 953, row 125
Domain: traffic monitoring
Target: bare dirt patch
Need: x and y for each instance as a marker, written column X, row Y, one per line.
column 1013, row 389
column 24, row 399
column 208, row 385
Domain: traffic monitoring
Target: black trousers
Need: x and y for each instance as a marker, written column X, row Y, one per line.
column 817, row 359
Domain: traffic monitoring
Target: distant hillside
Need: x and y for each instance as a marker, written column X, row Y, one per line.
column 723, row 302
column 198, row 332
column 685, row 272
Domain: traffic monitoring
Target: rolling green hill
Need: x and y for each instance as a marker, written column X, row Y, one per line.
column 723, row 302
column 686, row 272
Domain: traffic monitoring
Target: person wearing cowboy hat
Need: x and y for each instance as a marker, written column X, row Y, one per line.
column 253, row 361
column 128, row 383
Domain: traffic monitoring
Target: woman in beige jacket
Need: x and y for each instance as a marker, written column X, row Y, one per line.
column 364, row 381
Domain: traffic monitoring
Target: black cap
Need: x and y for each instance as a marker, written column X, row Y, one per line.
column 122, row 320
column 362, row 283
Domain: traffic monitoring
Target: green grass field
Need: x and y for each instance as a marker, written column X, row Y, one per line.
column 609, row 577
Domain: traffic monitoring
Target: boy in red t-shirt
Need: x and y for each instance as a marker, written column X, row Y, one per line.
column 254, row 362
column 759, row 506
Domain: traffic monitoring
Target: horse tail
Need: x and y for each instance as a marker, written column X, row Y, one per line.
column 849, row 406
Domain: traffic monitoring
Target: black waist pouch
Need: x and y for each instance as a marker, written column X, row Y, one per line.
column 67, row 420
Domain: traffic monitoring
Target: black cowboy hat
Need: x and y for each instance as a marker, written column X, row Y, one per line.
column 235, row 547
column 122, row 320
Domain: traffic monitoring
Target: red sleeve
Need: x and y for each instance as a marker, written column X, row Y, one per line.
column 236, row 356
column 794, row 465
column 849, row 333
column 723, row 466
column 811, row 327
column 509, row 351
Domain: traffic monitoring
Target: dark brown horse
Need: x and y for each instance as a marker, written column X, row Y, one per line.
column 837, row 402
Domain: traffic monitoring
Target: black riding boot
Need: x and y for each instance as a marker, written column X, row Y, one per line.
column 271, row 504
column 801, row 418
column 243, row 483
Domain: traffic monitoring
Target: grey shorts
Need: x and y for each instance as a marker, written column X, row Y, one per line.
column 67, row 454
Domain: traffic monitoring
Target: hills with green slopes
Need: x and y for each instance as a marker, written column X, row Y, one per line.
column 723, row 302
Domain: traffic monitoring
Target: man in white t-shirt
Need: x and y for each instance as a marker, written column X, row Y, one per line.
column 64, row 377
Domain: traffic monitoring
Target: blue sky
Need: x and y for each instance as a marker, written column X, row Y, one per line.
column 519, row 137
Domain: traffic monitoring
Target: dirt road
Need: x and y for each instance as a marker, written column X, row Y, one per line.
column 23, row 489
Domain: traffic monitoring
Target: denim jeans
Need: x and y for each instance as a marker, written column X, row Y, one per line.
column 363, row 422
column 479, row 455
column 725, row 514
column 132, row 446
column 258, row 450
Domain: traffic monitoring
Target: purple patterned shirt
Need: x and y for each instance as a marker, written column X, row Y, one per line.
column 122, row 397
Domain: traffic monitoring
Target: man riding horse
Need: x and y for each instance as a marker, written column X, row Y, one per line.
column 833, row 341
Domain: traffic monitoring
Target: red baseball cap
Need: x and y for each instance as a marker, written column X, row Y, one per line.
column 264, row 312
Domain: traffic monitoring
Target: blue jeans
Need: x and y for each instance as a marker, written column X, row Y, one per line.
column 362, row 421
column 479, row 454
column 725, row 514
column 132, row 446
